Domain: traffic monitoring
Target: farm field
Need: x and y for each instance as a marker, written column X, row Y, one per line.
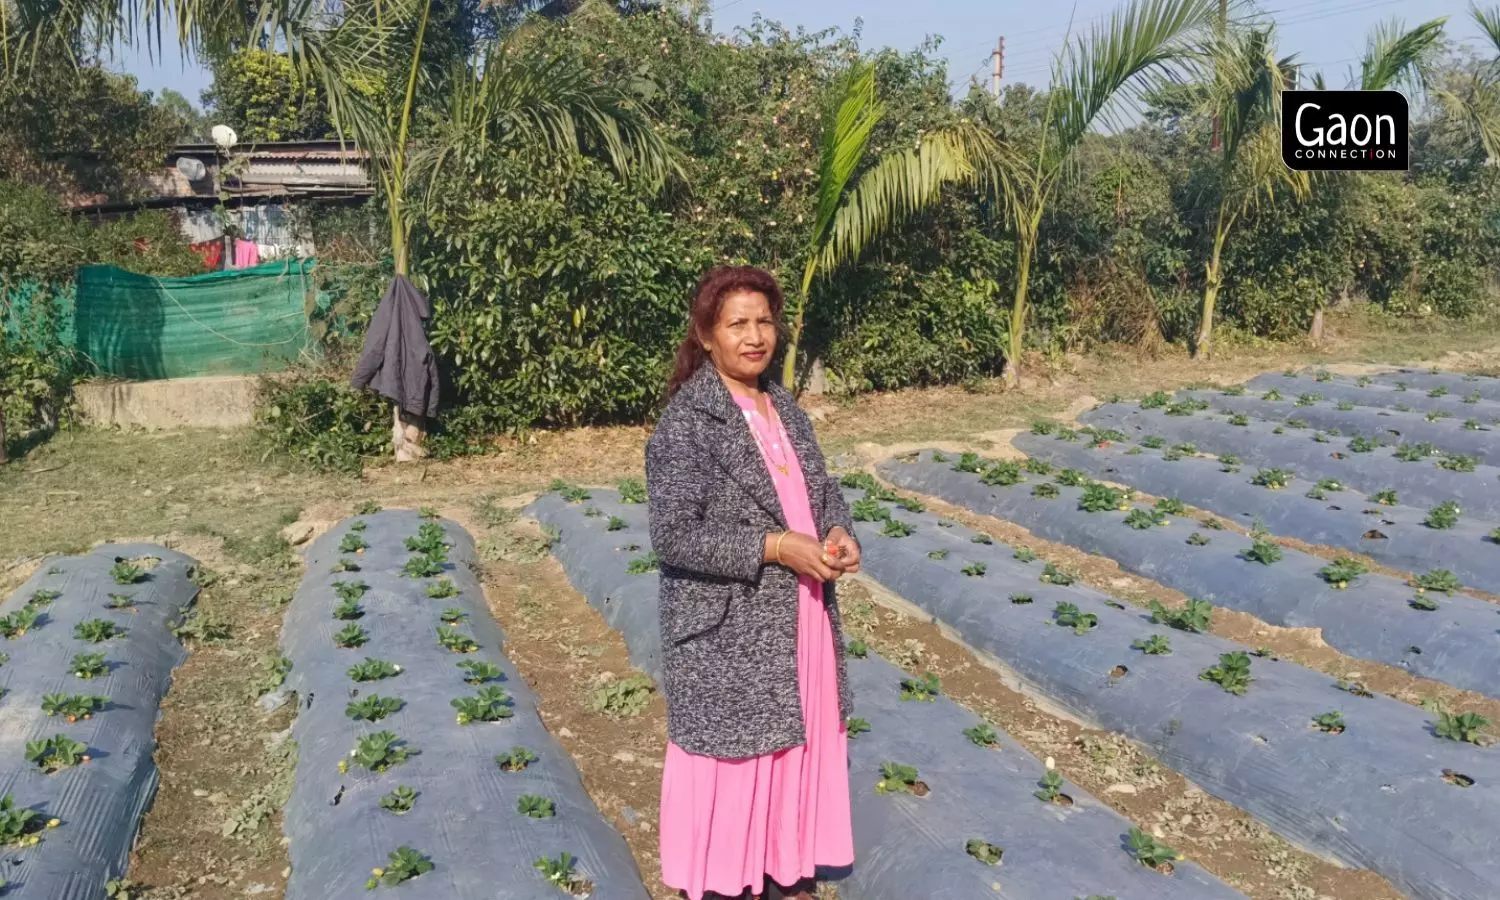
column 1058, row 658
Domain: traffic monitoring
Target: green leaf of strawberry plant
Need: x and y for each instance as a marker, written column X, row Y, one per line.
column 1345, row 406
column 380, row 751
column 366, row 508
column 1272, row 479
column 1155, row 400
column 643, row 564
column 1101, row 498
column 1045, row 491
column 43, row 598
column 1196, row 539
column 1454, row 462
column 1141, row 519
column 441, row 589
column 981, row 538
column 569, row 492
column 1309, row 399
column 1150, row 852
column 478, row 671
column 925, row 688
column 1038, row 466
column 97, row 631
column 1020, row 599
column 858, row 649
column 88, row 666
column 615, row 524
column 896, row 778
column 1053, row 575
column 1465, row 727
column 1423, row 603
column 422, row 566
column 125, row 572
column 1196, row 616
column 1069, row 616
column 624, row 698
column 515, row 760
column 73, row 707
column 430, row 539
column 373, row 708
column 854, row 727
column 1023, row 555
column 1232, row 673
column 1051, row 791
column 353, row 543
column 1385, row 498
column 1153, row 442
column 1072, row 478
column 1440, row 580
column 455, row 641
column 345, row 564
column 56, row 753
column 937, row 554
column 632, row 490
column 1171, row 506
column 559, row 873
column 120, row 601
column 1415, row 452
column 348, row 611
column 351, row 637
column 399, row 801
column 373, row 670
column 1272, row 395
column 535, row 807
column 403, row 864
column 349, row 591
column 895, row 528
column 1155, row 645
column 1442, row 516
column 1239, row 419
column 1342, row 571
column 1331, row 722
column 974, row 569
column 969, row 462
column 1263, row 552
column 985, row 852
column 1438, row 391
column 20, row 826
column 982, row 735
column 452, row 615
column 19, row 622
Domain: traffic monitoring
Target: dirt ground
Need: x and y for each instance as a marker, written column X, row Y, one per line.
column 215, row 831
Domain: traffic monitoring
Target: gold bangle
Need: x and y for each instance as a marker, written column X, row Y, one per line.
column 779, row 538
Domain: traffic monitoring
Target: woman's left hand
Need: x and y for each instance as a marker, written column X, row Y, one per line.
column 845, row 552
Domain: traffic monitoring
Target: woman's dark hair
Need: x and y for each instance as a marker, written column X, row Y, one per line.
column 703, row 313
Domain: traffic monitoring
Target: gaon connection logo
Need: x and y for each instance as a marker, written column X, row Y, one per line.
column 1358, row 131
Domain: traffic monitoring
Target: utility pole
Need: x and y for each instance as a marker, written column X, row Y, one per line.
column 998, row 60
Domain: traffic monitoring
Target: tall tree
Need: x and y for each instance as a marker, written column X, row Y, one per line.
column 1140, row 44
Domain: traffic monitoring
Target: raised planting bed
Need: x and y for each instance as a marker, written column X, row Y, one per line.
column 1469, row 436
column 89, row 654
column 1364, row 615
column 1326, row 513
column 454, row 772
column 906, row 845
column 1458, row 384
column 1377, row 790
column 1418, row 482
column 1391, row 396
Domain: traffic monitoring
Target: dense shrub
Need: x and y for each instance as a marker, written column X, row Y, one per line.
column 319, row 420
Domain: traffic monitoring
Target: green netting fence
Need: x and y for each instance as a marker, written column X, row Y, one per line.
column 239, row 322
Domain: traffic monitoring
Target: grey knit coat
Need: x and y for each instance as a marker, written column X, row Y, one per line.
column 729, row 623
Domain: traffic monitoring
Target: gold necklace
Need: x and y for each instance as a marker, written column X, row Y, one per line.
column 783, row 466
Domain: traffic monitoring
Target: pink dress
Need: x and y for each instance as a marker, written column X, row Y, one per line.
column 727, row 824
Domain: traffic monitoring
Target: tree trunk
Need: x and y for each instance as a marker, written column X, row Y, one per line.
column 1315, row 333
column 1202, row 346
column 1026, row 244
column 2, row 436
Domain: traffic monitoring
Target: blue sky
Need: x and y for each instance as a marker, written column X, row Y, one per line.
column 1329, row 34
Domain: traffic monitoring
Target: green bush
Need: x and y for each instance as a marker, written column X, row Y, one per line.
column 322, row 422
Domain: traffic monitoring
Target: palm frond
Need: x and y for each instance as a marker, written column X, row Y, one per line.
column 1488, row 20
column 1140, row 44
column 1259, row 173
column 1474, row 107
column 1245, row 86
column 1395, row 58
column 855, row 113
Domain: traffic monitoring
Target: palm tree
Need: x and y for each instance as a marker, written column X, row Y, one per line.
column 1140, row 44
column 853, row 207
column 1471, row 100
column 1244, row 94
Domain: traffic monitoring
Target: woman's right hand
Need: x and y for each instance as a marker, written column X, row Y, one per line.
column 802, row 554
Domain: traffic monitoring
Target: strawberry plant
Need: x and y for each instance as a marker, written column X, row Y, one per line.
column 1053, row 575
column 1364, row 381
column 1156, row 400
column 1171, row 506
column 1309, row 399
column 643, row 564
column 73, row 707
column 366, row 508
column 373, row 670
column 422, row 566
column 516, row 760
column 1099, row 498
column 399, row 801
column 455, row 641
column 559, row 873
column 924, row 689
column 1423, row 603
column 56, row 753
column 1472, row 425
column 120, row 601
column 97, row 631
column 126, row 572
column 1345, row 406
column 1234, row 390
column 379, row 751
column 1494, row 536
column 626, row 698
column 1232, row 673
column 1069, row 616
column 344, row 565
column 1342, row 571
column 1141, row 519
column 854, row 727
column 615, row 524
column 1438, row 416
column 1440, row 580
column 969, row 462
column 1003, row 473
column 430, row 539
column 1228, row 462
column 353, row 542
column 1457, row 463
column 351, row 637
column 1272, row 395
column 534, row 807
column 866, row 509
column 1043, row 427
column 981, row 538
column 373, row 708
column 1020, row 599
column 478, row 672
column 1051, row 791
column 1322, row 375
column 1197, row 539
column 403, row 864
column 441, row 589
column 1465, row 727
column 1353, row 687
column 569, row 492
column 1320, row 437
column 19, row 622
column 1155, row 645
column 1024, row 555
column 429, row 513
column 937, row 554
column 1273, row 479
column 1152, row 441
column 896, row 778
column 1196, row 616
column 1239, row 419
column 862, row 481
column 1263, row 552
column 452, row 615
column 489, row 704
column 19, row 827
column 939, row 456
column 1386, row 497
column 1401, row 407
column 350, row 590
column 43, row 598
column 974, row 569
column 1472, row 398
column 1438, row 391
column 88, row 666
column 985, row 852
column 348, row 611
column 1185, row 407
column 982, row 735
column 895, row 528
column 1150, row 852
column 1361, row 444
column 1072, row 478
column 1442, row 516
column 1415, row 452
column 1046, row 491
column 632, row 490
column 1331, row 722
column 1279, row 429
column 1401, row 386
column 1038, row 466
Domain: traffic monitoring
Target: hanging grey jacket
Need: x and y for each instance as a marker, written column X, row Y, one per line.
column 397, row 361
column 729, row 622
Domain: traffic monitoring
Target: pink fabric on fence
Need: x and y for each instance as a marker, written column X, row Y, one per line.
column 246, row 254
column 726, row 824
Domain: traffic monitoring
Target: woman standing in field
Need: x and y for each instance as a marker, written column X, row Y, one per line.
column 751, row 532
